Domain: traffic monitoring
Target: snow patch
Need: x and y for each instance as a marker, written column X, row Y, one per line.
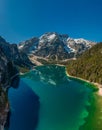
column 51, row 37
column 21, row 46
column 81, row 40
column 69, row 49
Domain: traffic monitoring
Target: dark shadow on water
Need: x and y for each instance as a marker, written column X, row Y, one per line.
column 24, row 104
column 15, row 82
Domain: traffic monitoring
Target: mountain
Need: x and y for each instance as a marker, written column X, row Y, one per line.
column 54, row 46
column 12, row 52
column 89, row 65
column 29, row 45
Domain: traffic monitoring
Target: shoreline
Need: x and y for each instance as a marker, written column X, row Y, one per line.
column 94, row 119
column 99, row 86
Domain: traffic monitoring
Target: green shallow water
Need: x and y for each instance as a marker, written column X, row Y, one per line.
column 63, row 100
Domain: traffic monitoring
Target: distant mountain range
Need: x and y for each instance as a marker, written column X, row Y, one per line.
column 53, row 46
column 50, row 47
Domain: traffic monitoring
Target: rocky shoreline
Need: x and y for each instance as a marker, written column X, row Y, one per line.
column 3, row 116
column 4, row 107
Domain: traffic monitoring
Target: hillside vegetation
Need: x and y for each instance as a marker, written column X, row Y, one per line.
column 89, row 65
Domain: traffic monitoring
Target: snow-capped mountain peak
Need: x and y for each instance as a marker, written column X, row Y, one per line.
column 55, row 46
column 48, row 36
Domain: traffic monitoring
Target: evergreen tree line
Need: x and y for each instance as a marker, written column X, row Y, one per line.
column 89, row 65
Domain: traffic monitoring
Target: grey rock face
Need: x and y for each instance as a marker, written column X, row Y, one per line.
column 12, row 53
column 29, row 45
column 55, row 46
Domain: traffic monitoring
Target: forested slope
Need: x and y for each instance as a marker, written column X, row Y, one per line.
column 89, row 65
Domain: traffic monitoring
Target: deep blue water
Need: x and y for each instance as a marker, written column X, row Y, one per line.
column 24, row 108
column 47, row 99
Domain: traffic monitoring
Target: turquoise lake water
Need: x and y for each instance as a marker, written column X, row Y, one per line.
column 47, row 99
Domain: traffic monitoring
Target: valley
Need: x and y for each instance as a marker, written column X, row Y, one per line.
column 41, row 61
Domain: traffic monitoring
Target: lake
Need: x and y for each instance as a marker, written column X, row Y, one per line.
column 47, row 99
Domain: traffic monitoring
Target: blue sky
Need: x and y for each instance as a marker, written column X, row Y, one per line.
column 23, row 19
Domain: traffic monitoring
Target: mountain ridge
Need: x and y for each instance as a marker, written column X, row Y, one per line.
column 55, row 46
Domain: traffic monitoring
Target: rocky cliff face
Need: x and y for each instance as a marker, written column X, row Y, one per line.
column 8, row 77
column 11, row 51
column 54, row 46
